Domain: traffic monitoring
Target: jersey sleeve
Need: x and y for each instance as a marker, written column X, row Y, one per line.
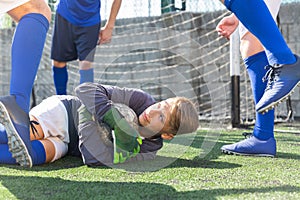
column 99, row 98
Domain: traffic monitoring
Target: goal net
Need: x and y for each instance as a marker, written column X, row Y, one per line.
column 165, row 51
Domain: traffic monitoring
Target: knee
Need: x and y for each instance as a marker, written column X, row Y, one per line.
column 32, row 6
column 47, row 13
column 42, row 7
column 59, row 64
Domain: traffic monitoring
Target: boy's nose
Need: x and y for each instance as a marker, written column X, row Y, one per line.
column 153, row 111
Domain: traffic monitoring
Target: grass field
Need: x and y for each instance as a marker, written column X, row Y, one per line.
column 210, row 176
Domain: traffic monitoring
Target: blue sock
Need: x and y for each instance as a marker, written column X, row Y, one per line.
column 5, row 155
column 257, row 18
column 39, row 156
column 27, row 49
column 3, row 135
column 60, row 77
column 86, row 75
column 264, row 124
column 38, row 149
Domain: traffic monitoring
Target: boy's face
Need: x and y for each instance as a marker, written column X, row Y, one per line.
column 155, row 118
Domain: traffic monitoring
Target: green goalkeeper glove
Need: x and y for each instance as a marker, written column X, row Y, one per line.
column 126, row 139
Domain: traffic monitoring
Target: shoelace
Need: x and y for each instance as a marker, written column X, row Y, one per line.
column 247, row 135
column 33, row 129
column 270, row 75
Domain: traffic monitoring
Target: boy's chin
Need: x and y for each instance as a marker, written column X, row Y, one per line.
column 146, row 133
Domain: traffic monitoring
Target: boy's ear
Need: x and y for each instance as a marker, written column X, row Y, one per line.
column 167, row 136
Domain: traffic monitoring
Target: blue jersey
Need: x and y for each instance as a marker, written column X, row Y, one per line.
column 80, row 12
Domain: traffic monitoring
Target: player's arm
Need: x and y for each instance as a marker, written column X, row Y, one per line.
column 95, row 97
column 97, row 101
column 227, row 26
column 99, row 98
column 106, row 31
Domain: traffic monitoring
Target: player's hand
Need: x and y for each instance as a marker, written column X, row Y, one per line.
column 126, row 139
column 121, row 155
column 105, row 35
column 227, row 26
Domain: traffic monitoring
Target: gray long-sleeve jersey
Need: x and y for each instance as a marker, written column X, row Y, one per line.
column 98, row 99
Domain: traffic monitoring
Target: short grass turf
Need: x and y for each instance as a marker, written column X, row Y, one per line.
column 194, row 169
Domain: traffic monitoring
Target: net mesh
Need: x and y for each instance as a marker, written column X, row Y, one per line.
column 165, row 54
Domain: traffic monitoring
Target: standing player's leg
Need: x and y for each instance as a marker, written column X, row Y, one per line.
column 86, row 43
column 255, row 59
column 81, row 43
column 60, row 77
column 28, row 42
column 284, row 75
column 33, row 19
column 262, row 143
column 86, row 72
column 62, row 50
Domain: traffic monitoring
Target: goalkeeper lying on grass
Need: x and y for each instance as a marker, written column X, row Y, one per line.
column 97, row 126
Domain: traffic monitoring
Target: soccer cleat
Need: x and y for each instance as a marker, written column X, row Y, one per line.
column 252, row 147
column 16, row 123
column 282, row 80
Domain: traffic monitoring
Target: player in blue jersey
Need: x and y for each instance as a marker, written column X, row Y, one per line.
column 262, row 141
column 81, row 126
column 76, row 35
column 32, row 17
column 283, row 73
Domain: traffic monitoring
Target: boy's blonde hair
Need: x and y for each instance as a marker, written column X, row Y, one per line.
column 184, row 116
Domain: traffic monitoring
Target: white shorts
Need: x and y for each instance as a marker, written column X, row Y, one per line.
column 7, row 5
column 53, row 118
column 273, row 6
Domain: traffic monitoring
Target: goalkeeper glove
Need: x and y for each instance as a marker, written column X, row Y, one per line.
column 126, row 139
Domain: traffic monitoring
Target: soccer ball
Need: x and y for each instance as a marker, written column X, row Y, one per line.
column 128, row 114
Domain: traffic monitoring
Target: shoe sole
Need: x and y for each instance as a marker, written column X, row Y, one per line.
column 16, row 145
column 271, row 106
column 245, row 154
